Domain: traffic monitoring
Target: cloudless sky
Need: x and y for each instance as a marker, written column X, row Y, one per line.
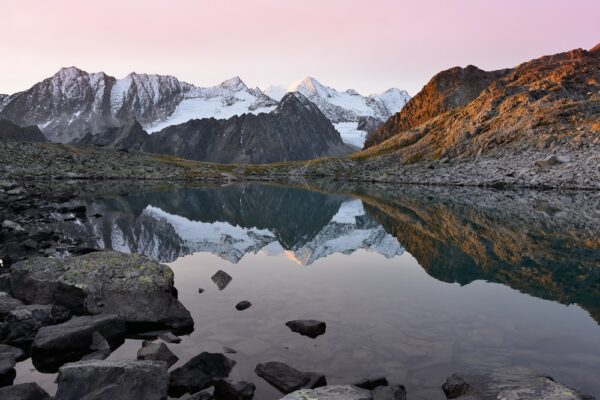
column 368, row 45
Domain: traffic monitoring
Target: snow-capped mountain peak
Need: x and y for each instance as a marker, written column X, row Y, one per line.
column 235, row 84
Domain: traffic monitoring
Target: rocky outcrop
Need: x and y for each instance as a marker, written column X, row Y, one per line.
column 112, row 380
column 10, row 131
column 140, row 291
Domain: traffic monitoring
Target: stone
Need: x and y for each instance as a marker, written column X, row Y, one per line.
column 30, row 244
column 243, row 305
column 551, row 161
column 7, row 304
column 455, row 387
column 169, row 337
column 200, row 290
column 12, row 226
column 112, row 380
column 201, row 396
column 16, row 352
column 333, row 392
column 221, row 279
column 394, row 392
column 287, row 379
column 372, row 382
column 157, row 352
column 307, row 327
column 227, row 349
column 56, row 344
column 100, row 347
column 24, row 391
column 7, row 369
column 199, row 373
column 140, row 291
column 234, row 390
column 22, row 324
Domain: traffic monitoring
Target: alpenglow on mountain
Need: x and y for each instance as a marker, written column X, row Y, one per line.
column 73, row 103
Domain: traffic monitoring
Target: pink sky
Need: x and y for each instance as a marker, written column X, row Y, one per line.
column 368, row 45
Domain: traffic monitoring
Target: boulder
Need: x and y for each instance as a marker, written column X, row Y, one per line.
column 243, row 305
column 333, row 392
column 513, row 382
column 221, row 279
column 169, row 337
column 100, row 347
column 22, row 324
column 24, row 391
column 372, row 382
column 16, row 352
column 394, row 392
column 201, row 396
column 112, row 380
column 7, row 304
column 140, row 291
column 286, row 379
column 199, row 373
column 56, row 344
column 232, row 390
column 307, row 327
column 157, row 352
column 7, row 369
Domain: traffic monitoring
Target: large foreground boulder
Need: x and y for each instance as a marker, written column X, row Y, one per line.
column 112, row 380
column 333, row 392
column 139, row 290
column 199, row 373
column 56, row 344
column 286, row 379
column 24, row 391
column 508, row 383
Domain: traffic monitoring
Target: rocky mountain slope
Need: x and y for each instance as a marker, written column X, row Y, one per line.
column 73, row 102
column 346, row 109
column 464, row 113
column 10, row 131
column 295, row 130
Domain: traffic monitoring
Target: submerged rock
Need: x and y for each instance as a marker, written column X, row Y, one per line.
column 232, row 390
column 57, row 344
column 307, row 327
column 199, row 373
column 221, row 279
column 112, row 380
column 24, row 391
column 333, row 392
column 286, row 379
column 140, row 291
column 22, row 324
column 157, row 352
column 243, row 305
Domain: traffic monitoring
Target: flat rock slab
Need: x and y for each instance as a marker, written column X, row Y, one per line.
column 286, row 379
column 333, row 392
column 221, row 279
column 112, row 380
column 24, row 391
column 57, row 344
column 307, row 327
column 199, row 373
column 137, row 289
column 157, row 352
column 513, row 382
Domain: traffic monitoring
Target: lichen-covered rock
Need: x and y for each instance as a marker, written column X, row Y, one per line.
column 113, row 380
column 137, row 289
column 333, row 392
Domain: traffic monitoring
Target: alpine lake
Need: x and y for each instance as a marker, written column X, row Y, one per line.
column 414, row 283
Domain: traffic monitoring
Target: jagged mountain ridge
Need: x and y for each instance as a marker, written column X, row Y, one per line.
column 345, row 109
column 73, row 102
column 295, row 130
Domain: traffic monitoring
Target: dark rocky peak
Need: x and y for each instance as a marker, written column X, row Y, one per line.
column 130, row 135
column 11, row 131
column 296, row 102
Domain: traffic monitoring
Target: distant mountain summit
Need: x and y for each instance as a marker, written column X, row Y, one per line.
column 73, row 102
column 345, row 109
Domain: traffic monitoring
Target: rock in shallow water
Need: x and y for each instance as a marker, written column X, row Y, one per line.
column 157, row 352
column 24, row 391
column 307, row 327
column 112, row 380
column 394, row 392
column 199, row 373
column 243, row 305
column 57, row 344
column 333, row 392
column 221, row 279
column 232, row 390
column 140, row 291
column 286, row 379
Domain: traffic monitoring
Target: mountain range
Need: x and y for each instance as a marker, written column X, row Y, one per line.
column 73, row 103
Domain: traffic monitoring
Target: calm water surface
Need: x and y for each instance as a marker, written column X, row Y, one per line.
column 414, row 284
